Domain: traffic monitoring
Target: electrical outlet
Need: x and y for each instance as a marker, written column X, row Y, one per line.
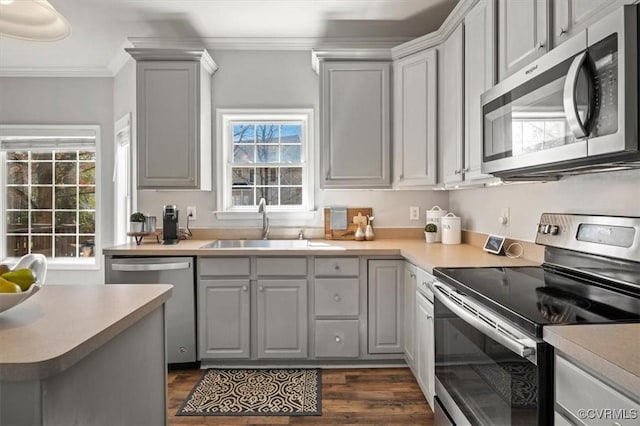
column 191, row 212
column 414, row 213
column 504, row 216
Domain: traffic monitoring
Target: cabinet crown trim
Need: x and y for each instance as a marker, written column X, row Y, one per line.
column 382, row 54
column 152, row 54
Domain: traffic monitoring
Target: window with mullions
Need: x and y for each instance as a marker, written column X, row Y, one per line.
column 49, row 200
column 266, row 156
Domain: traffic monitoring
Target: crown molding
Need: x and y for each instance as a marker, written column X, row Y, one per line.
column 55, row 72
column 349, row 54
column 435, row 38
column 197, row 55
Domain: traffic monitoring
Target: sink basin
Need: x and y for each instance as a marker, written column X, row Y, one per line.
column 257, row 244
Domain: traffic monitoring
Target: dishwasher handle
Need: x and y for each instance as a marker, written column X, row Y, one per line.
column 143, row 267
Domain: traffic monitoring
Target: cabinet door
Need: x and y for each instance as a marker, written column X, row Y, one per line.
column 415, row 115
column 386, row 298
column 479, row 76
column 522, row 33
column 355, row 124
column 409, row 313
column 167, row 132
column 282, row 318
column 451, row 86
column 571, row 16
column 425, row 361
column 223, row 327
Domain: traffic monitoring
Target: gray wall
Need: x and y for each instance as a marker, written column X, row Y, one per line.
column 615, row 193
column 68, row 101
column 259, row 79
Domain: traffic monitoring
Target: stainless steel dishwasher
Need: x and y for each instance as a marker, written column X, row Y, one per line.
column 180, row 315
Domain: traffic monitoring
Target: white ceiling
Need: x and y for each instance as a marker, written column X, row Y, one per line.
column 101, row 28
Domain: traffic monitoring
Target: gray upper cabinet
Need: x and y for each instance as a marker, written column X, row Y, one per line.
column 386, row 300
column 522, row 34
column 572, row 16
column 282, row 318
column 415, row 119
column 479, row 76
column 355, row 124
column 174, row 118
column 451, row 107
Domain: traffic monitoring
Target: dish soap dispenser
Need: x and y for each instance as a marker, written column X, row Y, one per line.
column 368, row 233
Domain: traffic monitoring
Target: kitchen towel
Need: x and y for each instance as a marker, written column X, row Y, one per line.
column 338, row 218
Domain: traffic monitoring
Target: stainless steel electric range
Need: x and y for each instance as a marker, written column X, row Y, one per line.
column 492, row 366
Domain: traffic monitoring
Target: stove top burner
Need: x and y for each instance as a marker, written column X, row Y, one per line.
column 536, row 296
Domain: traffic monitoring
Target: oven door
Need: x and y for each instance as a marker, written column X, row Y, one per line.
column 487, row 372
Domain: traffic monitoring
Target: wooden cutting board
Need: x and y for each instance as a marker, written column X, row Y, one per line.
column 350, row 232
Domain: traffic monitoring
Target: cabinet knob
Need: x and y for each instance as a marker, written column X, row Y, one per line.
column 465, row 170
column 412, row 275
column 338, row 339
column 182, row 349
column 457, row 171
column 261, row 288
column 563, row 30
column 336, row 297
column 245, row 288
column 336, row 267
column 429, row 317
column 539, row 46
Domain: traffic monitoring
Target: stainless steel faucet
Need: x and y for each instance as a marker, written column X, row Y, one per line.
column 262, row 208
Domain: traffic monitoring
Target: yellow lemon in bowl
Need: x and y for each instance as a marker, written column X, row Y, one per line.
column 24, row 277
column 7, row 286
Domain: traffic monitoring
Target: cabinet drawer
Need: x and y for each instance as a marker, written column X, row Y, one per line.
column 337, row 296
column 224, row 266
column 594, row 394
column 337, row 266
column 337, row 338
column 282, row 266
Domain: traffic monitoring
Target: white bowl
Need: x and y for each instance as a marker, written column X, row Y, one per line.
column 9, row 300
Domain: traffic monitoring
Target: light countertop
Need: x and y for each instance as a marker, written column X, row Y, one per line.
column 612, row 350
column 416, row 251
column 61, row 324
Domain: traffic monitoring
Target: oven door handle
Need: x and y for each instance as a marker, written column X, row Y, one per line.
column 524, row 350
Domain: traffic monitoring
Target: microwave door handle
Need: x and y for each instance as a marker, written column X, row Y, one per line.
column 523, row 350
column 569, row 97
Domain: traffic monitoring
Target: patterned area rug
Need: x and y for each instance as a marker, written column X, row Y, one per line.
column 255, row 392
column 515, row 382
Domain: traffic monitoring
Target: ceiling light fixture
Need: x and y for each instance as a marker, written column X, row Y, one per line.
column 32, row 20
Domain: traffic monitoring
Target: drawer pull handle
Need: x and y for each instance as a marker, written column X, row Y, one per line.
column 245, row 288
column 429, row 317
column 338, row 339
column 539, row 46
column 412, row 275
column 336, row 297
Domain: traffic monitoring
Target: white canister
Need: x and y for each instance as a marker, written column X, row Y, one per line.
column 434, row 216
column 451, row 229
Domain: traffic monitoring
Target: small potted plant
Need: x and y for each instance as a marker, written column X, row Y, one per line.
column 430, row 232
column 137, row 222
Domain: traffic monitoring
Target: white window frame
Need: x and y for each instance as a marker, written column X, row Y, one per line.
column 91, row 263
column 224, row 118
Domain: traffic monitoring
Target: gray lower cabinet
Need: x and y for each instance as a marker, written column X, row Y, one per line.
column 424, row 349
column 224, row 318
column 282, row 318
column 337, row 338
column 410, row 280
column 385, row 301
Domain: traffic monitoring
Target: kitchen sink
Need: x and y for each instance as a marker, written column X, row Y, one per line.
column 257, row 244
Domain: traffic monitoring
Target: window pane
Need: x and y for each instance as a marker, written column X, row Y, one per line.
column 41, row 197
column 243, row 133
column 42, row 244
column 65, row 222
column 66, row 173
column 87, row 197
column 42, row 156
column 242, row 176
column 87, row 173
column 17, row 173
column 291, row 154
column 291, row 176
column 290, row 196
column 269, row 194
column 266, row 176
column 267, row 133
column 70, row 155
column 267, row 154
column 18, row 156
column 41, row 222
column 87, row 222
column 290, row 133
column 17, row 245
column 18, row 222
column 66, row 246
column 17, row 197
column 243, row 153
column 66, row 197
column 242, row 197
column 87, row 155
column 42, row 173
column 87, row 245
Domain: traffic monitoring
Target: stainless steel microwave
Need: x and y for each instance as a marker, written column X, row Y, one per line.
column 574, row 110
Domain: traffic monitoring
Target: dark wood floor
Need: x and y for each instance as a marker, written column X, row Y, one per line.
column 373, row 396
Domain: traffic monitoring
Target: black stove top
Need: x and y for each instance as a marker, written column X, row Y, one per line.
column 535, row 296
